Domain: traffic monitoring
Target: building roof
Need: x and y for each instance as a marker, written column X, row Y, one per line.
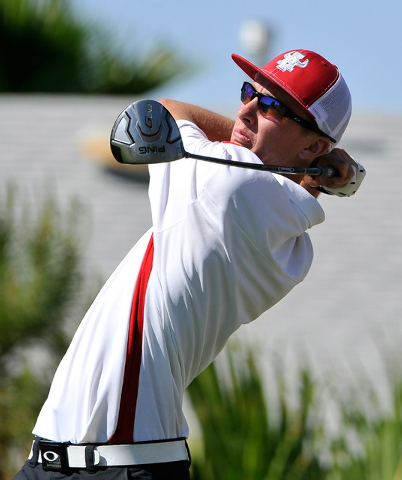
column 350, row 299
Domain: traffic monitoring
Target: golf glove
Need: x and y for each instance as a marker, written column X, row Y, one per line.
column 351, row 187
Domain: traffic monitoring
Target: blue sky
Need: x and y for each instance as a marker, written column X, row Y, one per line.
column 363, row 38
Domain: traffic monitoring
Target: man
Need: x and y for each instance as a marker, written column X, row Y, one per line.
column 226, row 244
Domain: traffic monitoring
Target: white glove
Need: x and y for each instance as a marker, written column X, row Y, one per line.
column 351, row 187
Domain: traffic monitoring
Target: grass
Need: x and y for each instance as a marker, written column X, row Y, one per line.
column 245, row 434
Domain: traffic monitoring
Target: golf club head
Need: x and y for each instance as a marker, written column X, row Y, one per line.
column 145, row 132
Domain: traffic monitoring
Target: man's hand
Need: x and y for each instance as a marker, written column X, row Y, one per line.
column 350, row 175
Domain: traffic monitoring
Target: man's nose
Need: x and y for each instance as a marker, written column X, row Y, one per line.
column 249, row 110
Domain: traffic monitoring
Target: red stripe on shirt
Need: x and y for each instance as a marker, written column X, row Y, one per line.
column 124, row 432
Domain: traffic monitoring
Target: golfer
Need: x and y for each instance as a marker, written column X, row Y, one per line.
column 225, row 246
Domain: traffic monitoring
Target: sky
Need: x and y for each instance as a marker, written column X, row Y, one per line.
column 363, row 38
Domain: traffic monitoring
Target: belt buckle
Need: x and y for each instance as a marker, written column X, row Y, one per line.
column 54, row 456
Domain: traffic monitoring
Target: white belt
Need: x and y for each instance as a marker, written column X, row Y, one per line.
column 121, row 455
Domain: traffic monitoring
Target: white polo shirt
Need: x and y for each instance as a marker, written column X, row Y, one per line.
column 228, row 243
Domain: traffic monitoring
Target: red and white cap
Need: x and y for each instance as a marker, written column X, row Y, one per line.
column 314, row 82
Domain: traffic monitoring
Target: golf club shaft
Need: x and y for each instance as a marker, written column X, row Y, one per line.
column 146, row 133
column 323, row 171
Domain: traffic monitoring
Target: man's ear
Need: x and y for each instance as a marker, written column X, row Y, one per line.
column 318, row 146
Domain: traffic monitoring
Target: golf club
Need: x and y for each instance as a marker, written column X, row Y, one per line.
column 145, row 133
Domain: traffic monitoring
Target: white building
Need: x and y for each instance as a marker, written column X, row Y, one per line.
column 352, row 297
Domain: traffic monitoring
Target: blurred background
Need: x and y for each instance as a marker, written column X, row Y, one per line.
column 69, row 213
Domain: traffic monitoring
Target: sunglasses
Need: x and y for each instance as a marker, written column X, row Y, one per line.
column 275, row 110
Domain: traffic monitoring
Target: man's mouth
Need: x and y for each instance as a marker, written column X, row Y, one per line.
column 241, row 138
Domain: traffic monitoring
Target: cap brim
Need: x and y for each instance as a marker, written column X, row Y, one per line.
column 251, row 70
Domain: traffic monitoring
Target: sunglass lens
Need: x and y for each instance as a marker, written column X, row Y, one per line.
column 268, row 106
column 271, row 109
column 268, row 103
column 247, row 92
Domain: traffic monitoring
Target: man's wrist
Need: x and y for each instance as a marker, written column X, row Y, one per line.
column 311, row 190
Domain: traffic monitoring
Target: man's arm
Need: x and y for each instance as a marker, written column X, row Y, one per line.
column 216, row 127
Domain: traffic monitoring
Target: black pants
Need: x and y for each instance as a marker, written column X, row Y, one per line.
column 32, row 470
column 158, row 471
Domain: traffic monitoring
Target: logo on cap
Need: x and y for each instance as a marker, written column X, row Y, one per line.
column 292, row 60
